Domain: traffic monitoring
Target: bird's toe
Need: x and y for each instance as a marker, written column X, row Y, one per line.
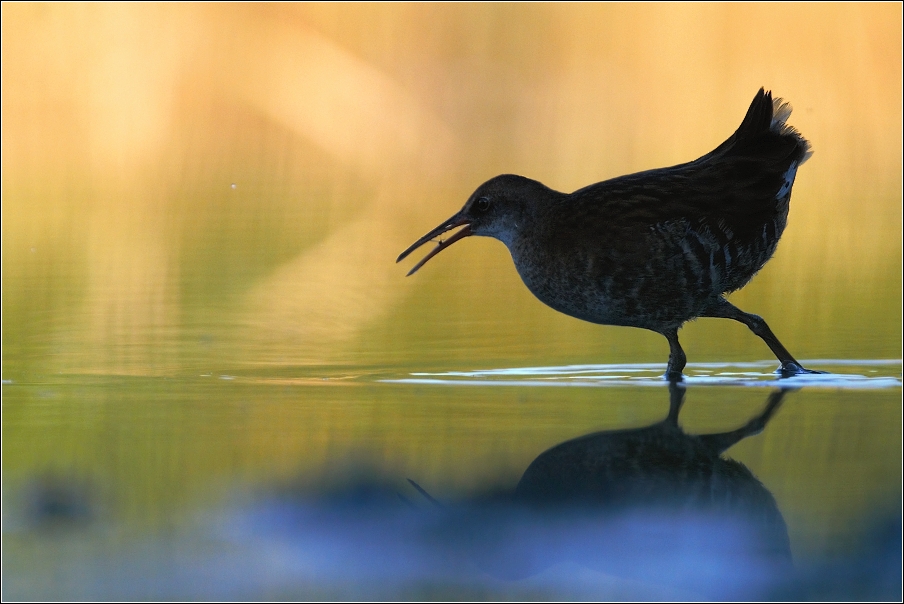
column 789, row 368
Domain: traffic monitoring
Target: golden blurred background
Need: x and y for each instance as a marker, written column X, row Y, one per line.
column 210, row 184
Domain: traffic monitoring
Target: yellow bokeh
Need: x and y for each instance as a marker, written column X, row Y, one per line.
column 126, row 126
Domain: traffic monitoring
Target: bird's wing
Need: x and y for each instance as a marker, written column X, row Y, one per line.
column 743, row 183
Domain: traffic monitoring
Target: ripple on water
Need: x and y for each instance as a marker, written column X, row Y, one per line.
column 841, row 374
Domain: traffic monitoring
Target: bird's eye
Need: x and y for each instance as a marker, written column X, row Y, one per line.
column 483, row 204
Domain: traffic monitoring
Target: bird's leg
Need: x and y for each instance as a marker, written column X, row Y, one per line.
column 677, row 358
column 726, row 310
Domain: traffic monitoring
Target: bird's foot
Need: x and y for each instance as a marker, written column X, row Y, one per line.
column 673, row 377
column 790, row 368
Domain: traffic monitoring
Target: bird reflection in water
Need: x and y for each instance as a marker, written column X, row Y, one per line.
column 652, row 502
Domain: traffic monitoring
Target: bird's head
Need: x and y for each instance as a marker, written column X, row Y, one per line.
column 499, row 208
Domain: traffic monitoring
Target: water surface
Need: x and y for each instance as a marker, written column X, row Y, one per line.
column 216, row 381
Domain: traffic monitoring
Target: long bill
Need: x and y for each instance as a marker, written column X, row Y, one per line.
column 450, row 224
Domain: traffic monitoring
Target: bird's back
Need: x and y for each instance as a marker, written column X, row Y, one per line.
column 683, row 235
column 744, row 182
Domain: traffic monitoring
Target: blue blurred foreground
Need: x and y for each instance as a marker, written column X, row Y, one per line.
column 651, row 513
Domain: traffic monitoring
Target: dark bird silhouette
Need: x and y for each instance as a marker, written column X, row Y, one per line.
column 653, row 249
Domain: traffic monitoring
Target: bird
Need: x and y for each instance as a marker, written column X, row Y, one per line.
column 653, row 249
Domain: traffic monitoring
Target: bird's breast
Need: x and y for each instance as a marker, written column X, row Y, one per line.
column 590, row 284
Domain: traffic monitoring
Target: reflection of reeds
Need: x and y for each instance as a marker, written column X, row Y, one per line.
column 118, row 124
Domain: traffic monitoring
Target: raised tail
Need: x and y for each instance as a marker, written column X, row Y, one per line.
column 781, row 111
column 765, row 128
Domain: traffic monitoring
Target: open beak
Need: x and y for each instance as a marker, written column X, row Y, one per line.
column 450, row 224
